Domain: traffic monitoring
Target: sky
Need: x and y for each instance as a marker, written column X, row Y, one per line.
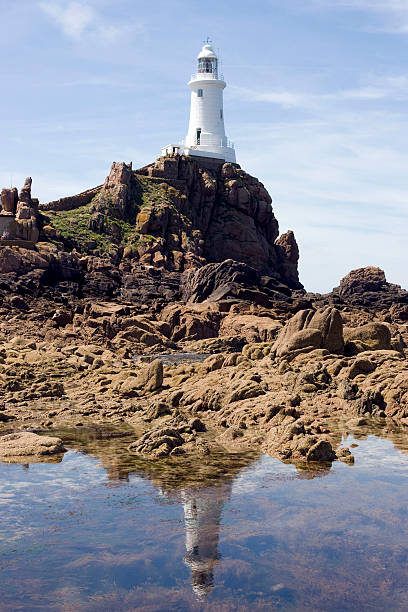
column 315, row 102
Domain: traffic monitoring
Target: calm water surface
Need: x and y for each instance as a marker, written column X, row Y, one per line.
column 103, row 531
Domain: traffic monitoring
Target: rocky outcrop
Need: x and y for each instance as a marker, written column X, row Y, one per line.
column 362, row 280
column 185, row 215
column 9, row 199
column 113, row 202
column 29, row 271
column 229, row 280
column 18, row 217
column 220, row 213
column 368, row 288
column 142, row 233
column 288, row 257
column 309, row 330
column 26, row 214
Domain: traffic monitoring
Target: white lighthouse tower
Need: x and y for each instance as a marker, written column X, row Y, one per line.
column 206, row 132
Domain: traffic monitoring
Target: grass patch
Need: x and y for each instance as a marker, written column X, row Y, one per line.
column 73, row 226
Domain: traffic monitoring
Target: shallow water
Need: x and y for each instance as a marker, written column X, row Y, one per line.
column 175, row 358
column 103, row 531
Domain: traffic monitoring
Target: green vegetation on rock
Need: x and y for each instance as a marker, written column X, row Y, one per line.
column 72, row 228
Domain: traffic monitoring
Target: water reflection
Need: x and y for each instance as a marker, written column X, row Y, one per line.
column 238, row 523
column 202, row 486
column 202, row 518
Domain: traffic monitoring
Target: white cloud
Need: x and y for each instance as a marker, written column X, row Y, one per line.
column 394, row 88
column 394, row 11
column 77, row 18
column 338, row 179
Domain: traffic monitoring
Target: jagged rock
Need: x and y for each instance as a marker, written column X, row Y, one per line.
column 226, row 280
column 291, row 438
column 288, row 257
column 25, row 192
column 371, row 402
column 19, row 214
column 368, row 288
column 157, row 443
column 113, row 202
column 362, row 280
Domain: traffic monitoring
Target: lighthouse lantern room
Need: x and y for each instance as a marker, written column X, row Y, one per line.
column 206, row 132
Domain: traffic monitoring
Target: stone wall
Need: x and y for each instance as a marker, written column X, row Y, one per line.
column 71, row 202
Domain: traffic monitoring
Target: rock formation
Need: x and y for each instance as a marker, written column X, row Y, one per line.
column 309, row 330
column 367, row 289
column 179, row 213
column 9, row 199
column 26, row 444
column 18, row 217
column 182, row 259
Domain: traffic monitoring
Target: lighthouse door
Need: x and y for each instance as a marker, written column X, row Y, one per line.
column 198, row 136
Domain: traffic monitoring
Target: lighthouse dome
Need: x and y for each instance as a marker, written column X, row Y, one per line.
column 207, row 52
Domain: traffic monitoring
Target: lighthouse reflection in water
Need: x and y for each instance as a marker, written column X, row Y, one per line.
column 202, row 515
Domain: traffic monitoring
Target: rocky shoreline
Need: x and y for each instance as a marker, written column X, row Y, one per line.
column 271, row 380
column 194, row 266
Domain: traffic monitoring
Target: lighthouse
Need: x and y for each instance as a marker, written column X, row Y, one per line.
column 206, row 132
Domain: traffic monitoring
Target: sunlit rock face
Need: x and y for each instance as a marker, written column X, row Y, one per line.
column 18, row 215
column 179, row 213
column 213, row 211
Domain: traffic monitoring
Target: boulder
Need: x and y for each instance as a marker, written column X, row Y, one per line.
column 305, row 338
column 149, row 379
column 308, row 330
column 321, row 451
column 361, row 366
column 26, row 444
column 372, row 336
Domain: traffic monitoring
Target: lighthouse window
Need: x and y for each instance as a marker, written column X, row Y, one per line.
column 207, row 65
column 221, row 113
column 200, row 93
column 198, row 136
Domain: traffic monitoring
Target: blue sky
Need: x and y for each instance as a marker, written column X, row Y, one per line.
column 316, row 105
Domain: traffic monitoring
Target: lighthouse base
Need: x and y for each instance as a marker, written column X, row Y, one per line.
column 226, row 155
